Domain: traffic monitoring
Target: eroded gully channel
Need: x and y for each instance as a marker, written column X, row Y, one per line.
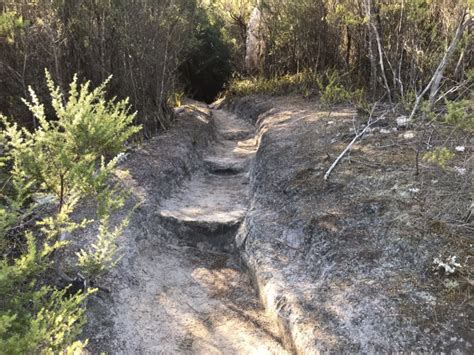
column 193, row 296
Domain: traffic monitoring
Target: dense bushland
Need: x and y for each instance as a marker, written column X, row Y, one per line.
column 208, row 64
column 155, row 49
column 145, row 45
column 417, row 56
column 387, row 47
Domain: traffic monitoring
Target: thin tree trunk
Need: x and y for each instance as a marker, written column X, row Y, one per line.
column 373, row 62
column 348, row 50
column 438, row 74
column 382, row 67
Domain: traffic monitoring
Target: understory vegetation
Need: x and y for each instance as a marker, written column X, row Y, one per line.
column 405, row 52
column 48, row 171
column 72, row 74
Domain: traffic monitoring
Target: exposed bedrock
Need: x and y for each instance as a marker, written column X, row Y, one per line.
column 180, row 287
column 341, row 266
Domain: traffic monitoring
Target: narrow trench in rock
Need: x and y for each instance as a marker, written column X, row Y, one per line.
column 191, row 295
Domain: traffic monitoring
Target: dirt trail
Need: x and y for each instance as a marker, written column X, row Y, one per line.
column 191, row 296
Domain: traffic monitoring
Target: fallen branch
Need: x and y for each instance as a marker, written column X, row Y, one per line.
column 349, row 146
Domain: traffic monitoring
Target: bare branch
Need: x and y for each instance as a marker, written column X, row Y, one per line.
column 370, row 122
column 438, row 74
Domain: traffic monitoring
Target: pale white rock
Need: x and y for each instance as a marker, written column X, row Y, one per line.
column 449, row 265
column 460, row 148
column 121, row 157
column 44, row 199
column 294, row 238
column 459, row 170
column 402, row 121
column 409, row 135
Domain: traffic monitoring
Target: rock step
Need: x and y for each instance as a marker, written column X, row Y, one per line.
column 229, row 127
column 236, row 134
column 209, row 208
column 225, row 166
column 218, row 235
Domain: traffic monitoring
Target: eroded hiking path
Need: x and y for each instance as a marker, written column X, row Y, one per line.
column 192, row 296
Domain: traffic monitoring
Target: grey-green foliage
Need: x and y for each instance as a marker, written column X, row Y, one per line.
column 460, row 113
column 331, row 89
column 69, row 156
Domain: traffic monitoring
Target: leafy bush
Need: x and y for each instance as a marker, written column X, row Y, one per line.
column 34, row 317
column 66, row 157
column 9, row 23
column 460, row 113
column 176, row 99
column 208, row 64
column 101, row 255
column 333, row 91
column 439, row 156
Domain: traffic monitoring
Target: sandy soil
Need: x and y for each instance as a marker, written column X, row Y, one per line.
column 185, row 294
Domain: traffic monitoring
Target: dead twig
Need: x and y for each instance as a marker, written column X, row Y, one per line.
column 370, row 122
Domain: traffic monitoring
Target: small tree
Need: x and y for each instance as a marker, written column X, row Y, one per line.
column 62, row 155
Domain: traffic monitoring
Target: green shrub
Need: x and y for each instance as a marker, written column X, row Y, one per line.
column 331, row 89
column 439, row 156
column 10, row 22
column 176, row 99
column 460, row 113
column 36, row 318
column 408, row 100
column 66, row 157
column 102, row 255
column 304, row 83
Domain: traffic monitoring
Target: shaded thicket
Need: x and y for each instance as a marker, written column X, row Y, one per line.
column 208, row 62
column 141, row 43
column 233, row 17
